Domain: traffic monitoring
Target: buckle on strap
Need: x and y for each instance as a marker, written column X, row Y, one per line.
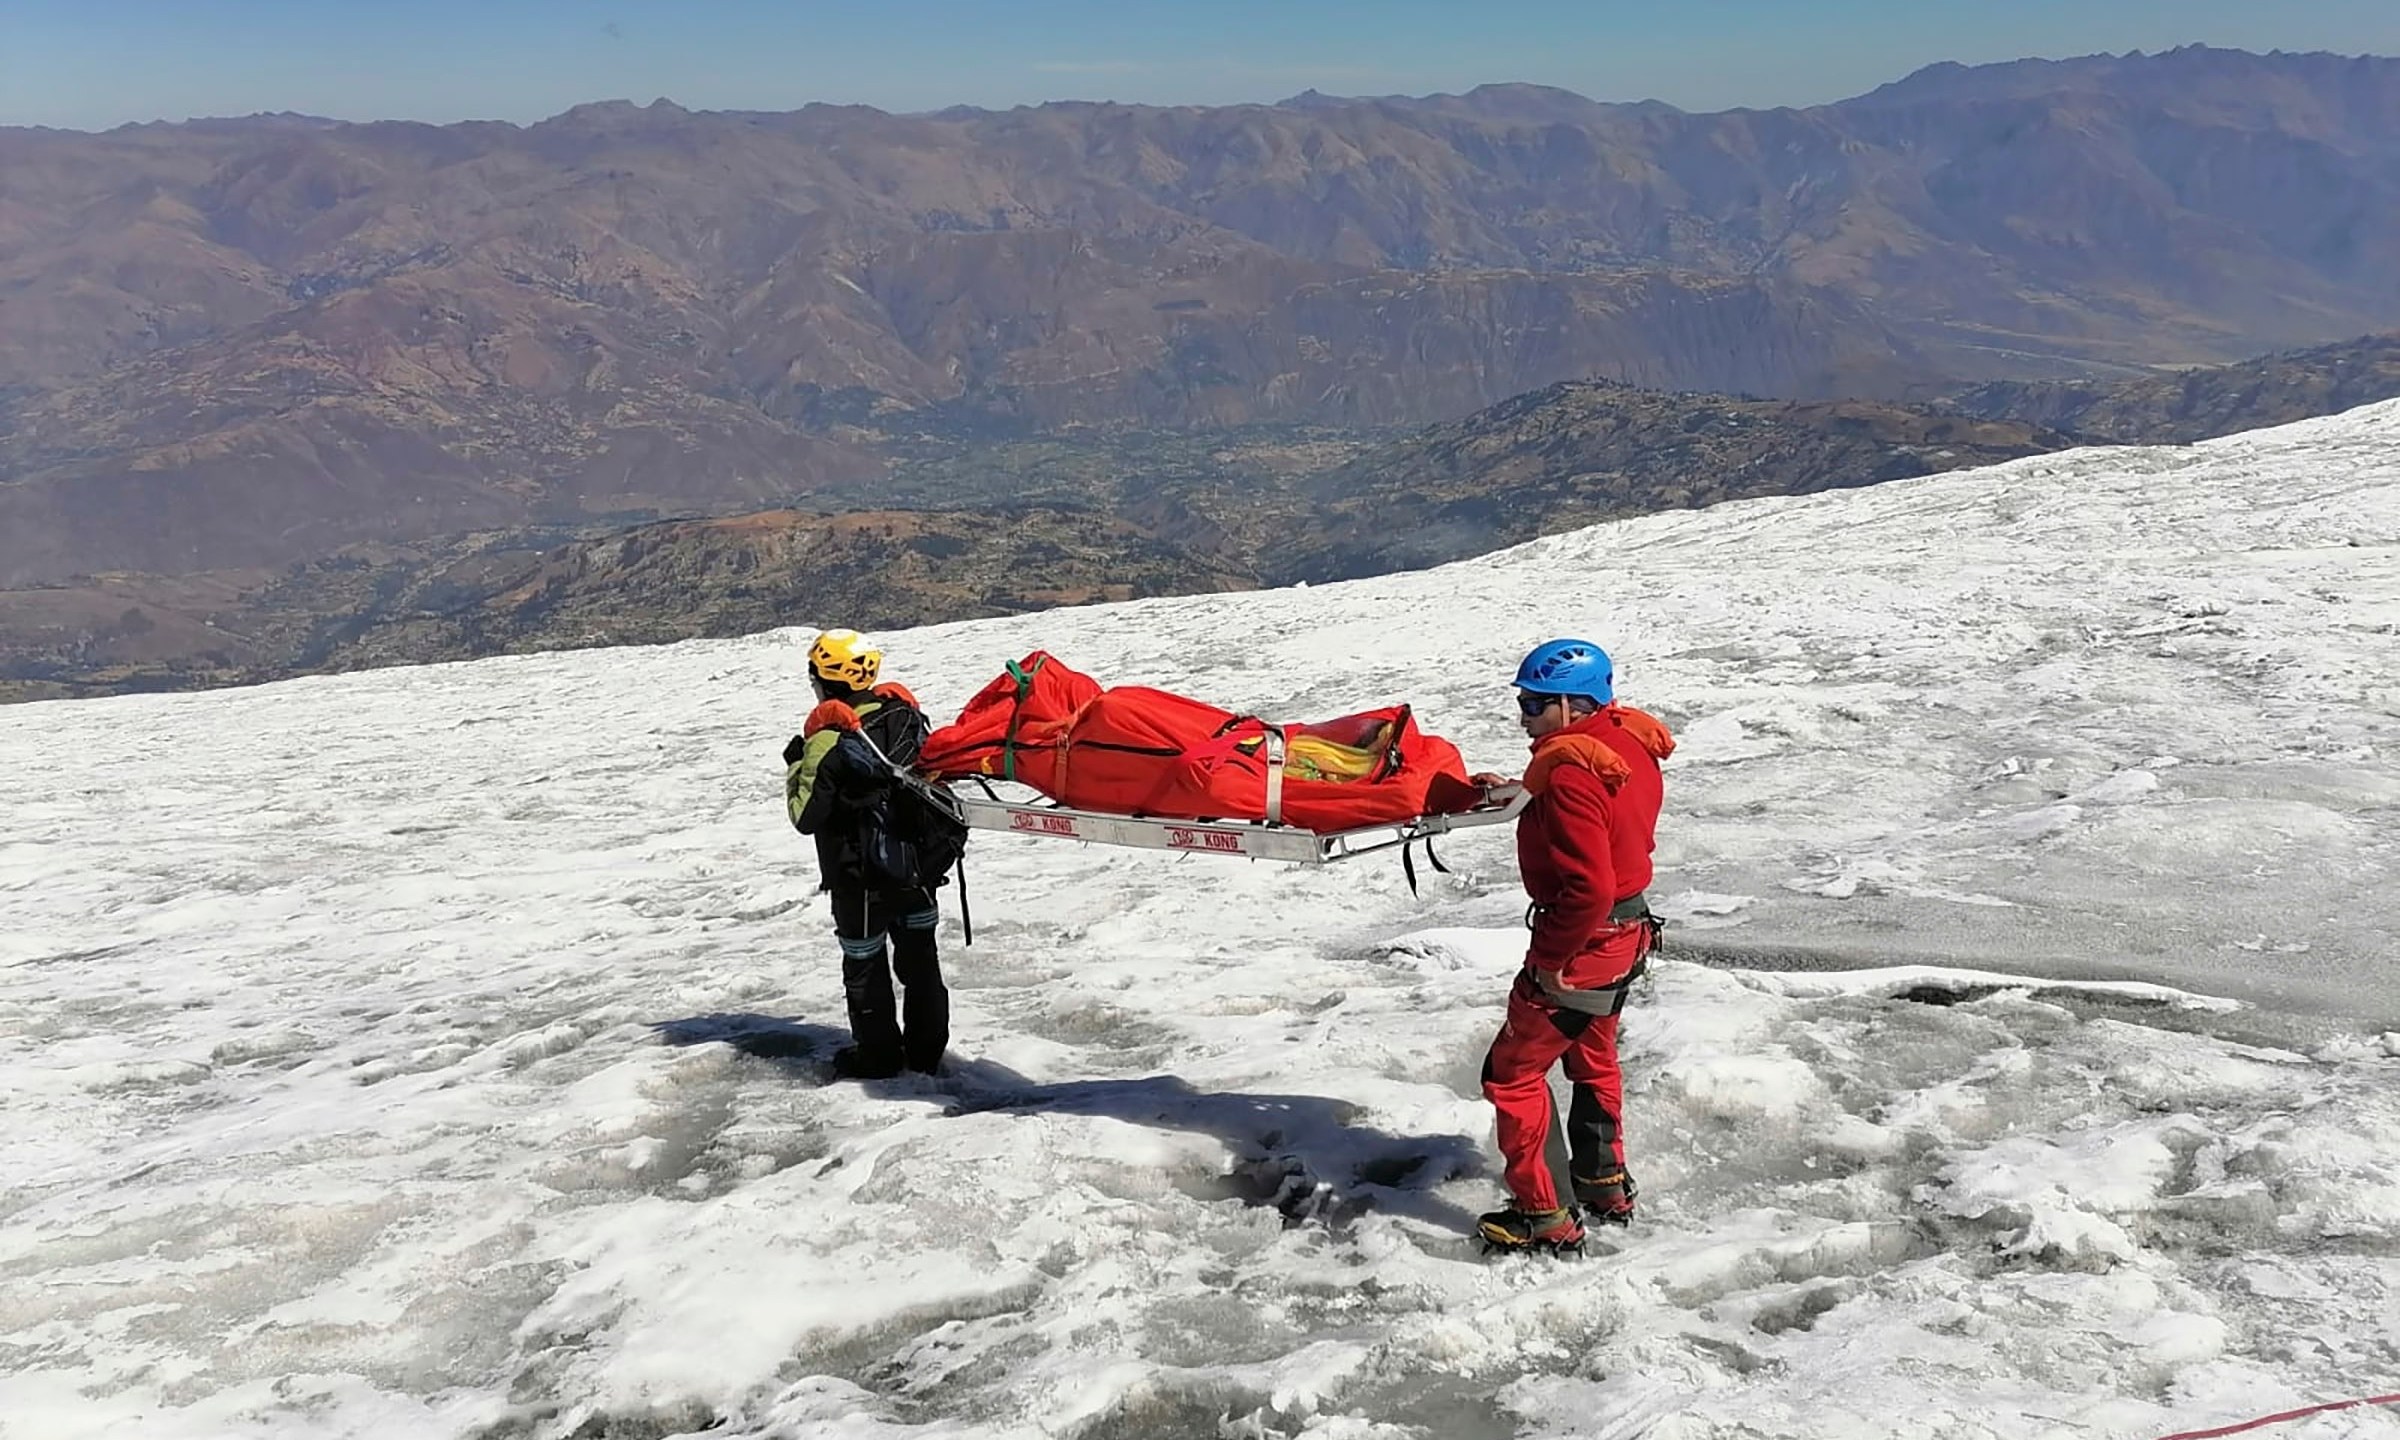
column 1633, row 909
column 1274, row 749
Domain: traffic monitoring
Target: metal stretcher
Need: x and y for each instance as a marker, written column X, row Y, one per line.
column 1250, row 839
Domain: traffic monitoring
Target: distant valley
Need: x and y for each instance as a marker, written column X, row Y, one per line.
column 1105, row 515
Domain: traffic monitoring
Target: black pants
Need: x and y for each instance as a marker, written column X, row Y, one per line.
column 916, row 1031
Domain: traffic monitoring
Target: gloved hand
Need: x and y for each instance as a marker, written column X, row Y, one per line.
column 1553, row 984
column 791, row 751
column 1485, row 780
column 894, row 690
column 830, row 715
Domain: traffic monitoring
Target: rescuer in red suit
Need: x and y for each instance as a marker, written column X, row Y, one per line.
column 1583, row 847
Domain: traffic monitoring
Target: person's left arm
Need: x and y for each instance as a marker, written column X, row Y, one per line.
column 1577, row 832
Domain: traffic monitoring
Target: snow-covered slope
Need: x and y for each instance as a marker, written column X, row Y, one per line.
column 438, row 1052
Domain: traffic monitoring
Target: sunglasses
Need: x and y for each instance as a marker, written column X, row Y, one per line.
column 1532, row 705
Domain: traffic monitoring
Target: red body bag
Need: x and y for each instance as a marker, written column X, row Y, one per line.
column 1137, row 751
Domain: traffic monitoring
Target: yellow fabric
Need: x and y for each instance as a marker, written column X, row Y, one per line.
column 1313, row 757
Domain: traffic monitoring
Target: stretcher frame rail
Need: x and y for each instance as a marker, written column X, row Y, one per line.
column 1248, row 839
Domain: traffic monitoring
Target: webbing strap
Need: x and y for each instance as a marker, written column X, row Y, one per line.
column 1408, row 866
column 1632, row 908
column 1391, row 751
column 1598, row 1000
column 1274, row 750
column 1016, row 712
column 966, row 917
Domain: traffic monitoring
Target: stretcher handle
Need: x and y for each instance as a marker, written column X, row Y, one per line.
column 1274, row 750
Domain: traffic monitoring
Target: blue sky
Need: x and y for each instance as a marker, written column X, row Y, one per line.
column 98, row 63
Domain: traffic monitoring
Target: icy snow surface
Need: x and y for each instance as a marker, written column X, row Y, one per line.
column 441, row 1052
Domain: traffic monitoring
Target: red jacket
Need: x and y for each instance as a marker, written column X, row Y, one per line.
column 1584, row 843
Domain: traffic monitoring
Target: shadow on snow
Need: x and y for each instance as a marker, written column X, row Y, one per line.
column 1305, row 1155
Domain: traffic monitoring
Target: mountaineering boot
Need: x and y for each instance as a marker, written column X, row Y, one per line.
column 1607, row 1199
column 1513, row 1229
column 864, row 1062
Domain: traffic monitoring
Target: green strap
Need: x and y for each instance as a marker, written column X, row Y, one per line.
column 1016, row 711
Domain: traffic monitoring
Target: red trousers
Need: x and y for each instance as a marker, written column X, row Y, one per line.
column 1516, row 1079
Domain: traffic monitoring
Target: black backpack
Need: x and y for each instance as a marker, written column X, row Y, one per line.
column 907, row 839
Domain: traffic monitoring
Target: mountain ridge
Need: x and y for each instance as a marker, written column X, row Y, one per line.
column 393, row 331
column 1103, row 516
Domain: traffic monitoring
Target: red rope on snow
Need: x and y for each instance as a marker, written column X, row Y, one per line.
column 2286, row 1415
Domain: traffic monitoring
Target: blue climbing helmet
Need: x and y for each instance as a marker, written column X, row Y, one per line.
column 1569, row 667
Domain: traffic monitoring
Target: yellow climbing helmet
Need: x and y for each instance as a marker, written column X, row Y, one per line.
column 845, row 657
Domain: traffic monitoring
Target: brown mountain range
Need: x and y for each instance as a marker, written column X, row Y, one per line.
column 248, row 343
column 1122, row 513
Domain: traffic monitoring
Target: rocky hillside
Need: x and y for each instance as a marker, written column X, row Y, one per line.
column 2202, row 403
column 247, row 343
column 1119, row 513
column 1126, row 515
column 1573, row 454
column 491, row 595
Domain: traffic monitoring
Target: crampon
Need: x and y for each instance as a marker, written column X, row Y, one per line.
column 1514, row 1231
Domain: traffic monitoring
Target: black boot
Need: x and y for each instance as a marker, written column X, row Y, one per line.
column 858, row 1062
